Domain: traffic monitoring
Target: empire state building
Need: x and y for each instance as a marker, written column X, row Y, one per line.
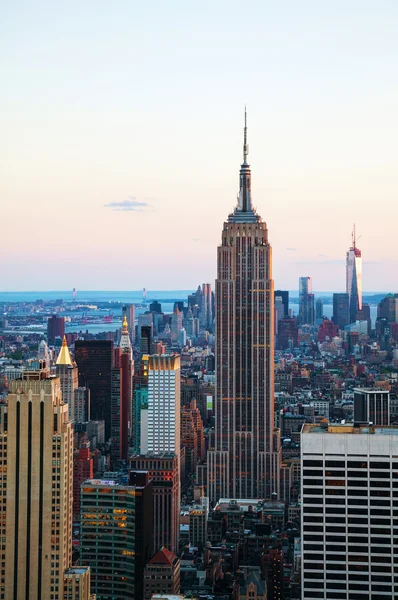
column 244, row 459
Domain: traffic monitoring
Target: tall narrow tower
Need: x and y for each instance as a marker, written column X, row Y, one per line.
column 243, row 462
column 354, row 278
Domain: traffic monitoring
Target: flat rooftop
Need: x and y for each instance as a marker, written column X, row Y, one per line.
column 344, row 428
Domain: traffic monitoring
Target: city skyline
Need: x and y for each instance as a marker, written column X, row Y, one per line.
column 323, row 140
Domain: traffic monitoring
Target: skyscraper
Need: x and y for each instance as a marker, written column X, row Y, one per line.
column 164, row 403
column 126, row 396
column 306, row 302
column 244, row 460
column 129, row 311
column 94, row 360
column 354, row 278
column 341, row 309
column 36, row 439
column 349, row 496
column 67, row 372
column 55, row 329
column 284, row 299
column 116, row 534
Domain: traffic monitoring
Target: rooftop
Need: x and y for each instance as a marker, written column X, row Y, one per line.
column 344, row 428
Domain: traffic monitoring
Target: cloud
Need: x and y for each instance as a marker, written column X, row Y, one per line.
column 196, row 239
column 291, row 249
column 131, row 204
column 336, row 261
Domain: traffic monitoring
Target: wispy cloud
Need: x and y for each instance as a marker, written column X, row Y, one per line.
column 131, row 204
column 291, row 249
column 196, row 239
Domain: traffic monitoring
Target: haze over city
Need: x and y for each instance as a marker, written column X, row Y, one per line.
column 122, row 130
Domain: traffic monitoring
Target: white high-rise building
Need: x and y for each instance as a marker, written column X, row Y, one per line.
column 349, row 491
column 164, row 403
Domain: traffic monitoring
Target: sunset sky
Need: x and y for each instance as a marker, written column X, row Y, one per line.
column 121, row 128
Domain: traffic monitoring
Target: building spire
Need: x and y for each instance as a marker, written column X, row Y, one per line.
column 245, row 144
column 354, row 237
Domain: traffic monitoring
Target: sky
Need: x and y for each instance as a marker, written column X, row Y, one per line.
column 121, row 128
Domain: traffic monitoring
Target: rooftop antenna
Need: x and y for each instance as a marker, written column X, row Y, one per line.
column 245, row 145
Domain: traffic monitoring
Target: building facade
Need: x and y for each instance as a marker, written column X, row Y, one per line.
column 244, row 459
column 349, row 492
column 36, row 438
column 66, row 370
column 341, row 310
column 116, row 535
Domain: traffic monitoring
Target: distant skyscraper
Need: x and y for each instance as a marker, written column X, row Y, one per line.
column 66, row 370
column 55, row 329
column 388, row 308
column 126, row 396
column 284, row 297
column 319, row 309
column 341, row 310
column 306, row 302
column 354, row 278
column 176, row 323
column 129, row 310
column 244, row 461
column 206, row 314
column 94, row 360
column 287, row 334
column 36, row 438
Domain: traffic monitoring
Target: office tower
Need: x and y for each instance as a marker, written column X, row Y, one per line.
column 94, row 360
column 164, row 403
column 129, row 311
column 244, row 462
column 55, row 329
column 116, row 534
column 82, row 405
column 77, row 584
column 349, row 523
column 306, row 302
column 83, row 468
column 354, row 278
column 319, row 309
column 126, row 395
column 176, row 323
column 162, row 574
column 284, row 297
column 341, row 310
column 198, row 517
column 145, row 333
column 66, row 370
column 372, row 406
column 164, row 473
column 205, row 313
column 36, row 509
column 388, row 308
